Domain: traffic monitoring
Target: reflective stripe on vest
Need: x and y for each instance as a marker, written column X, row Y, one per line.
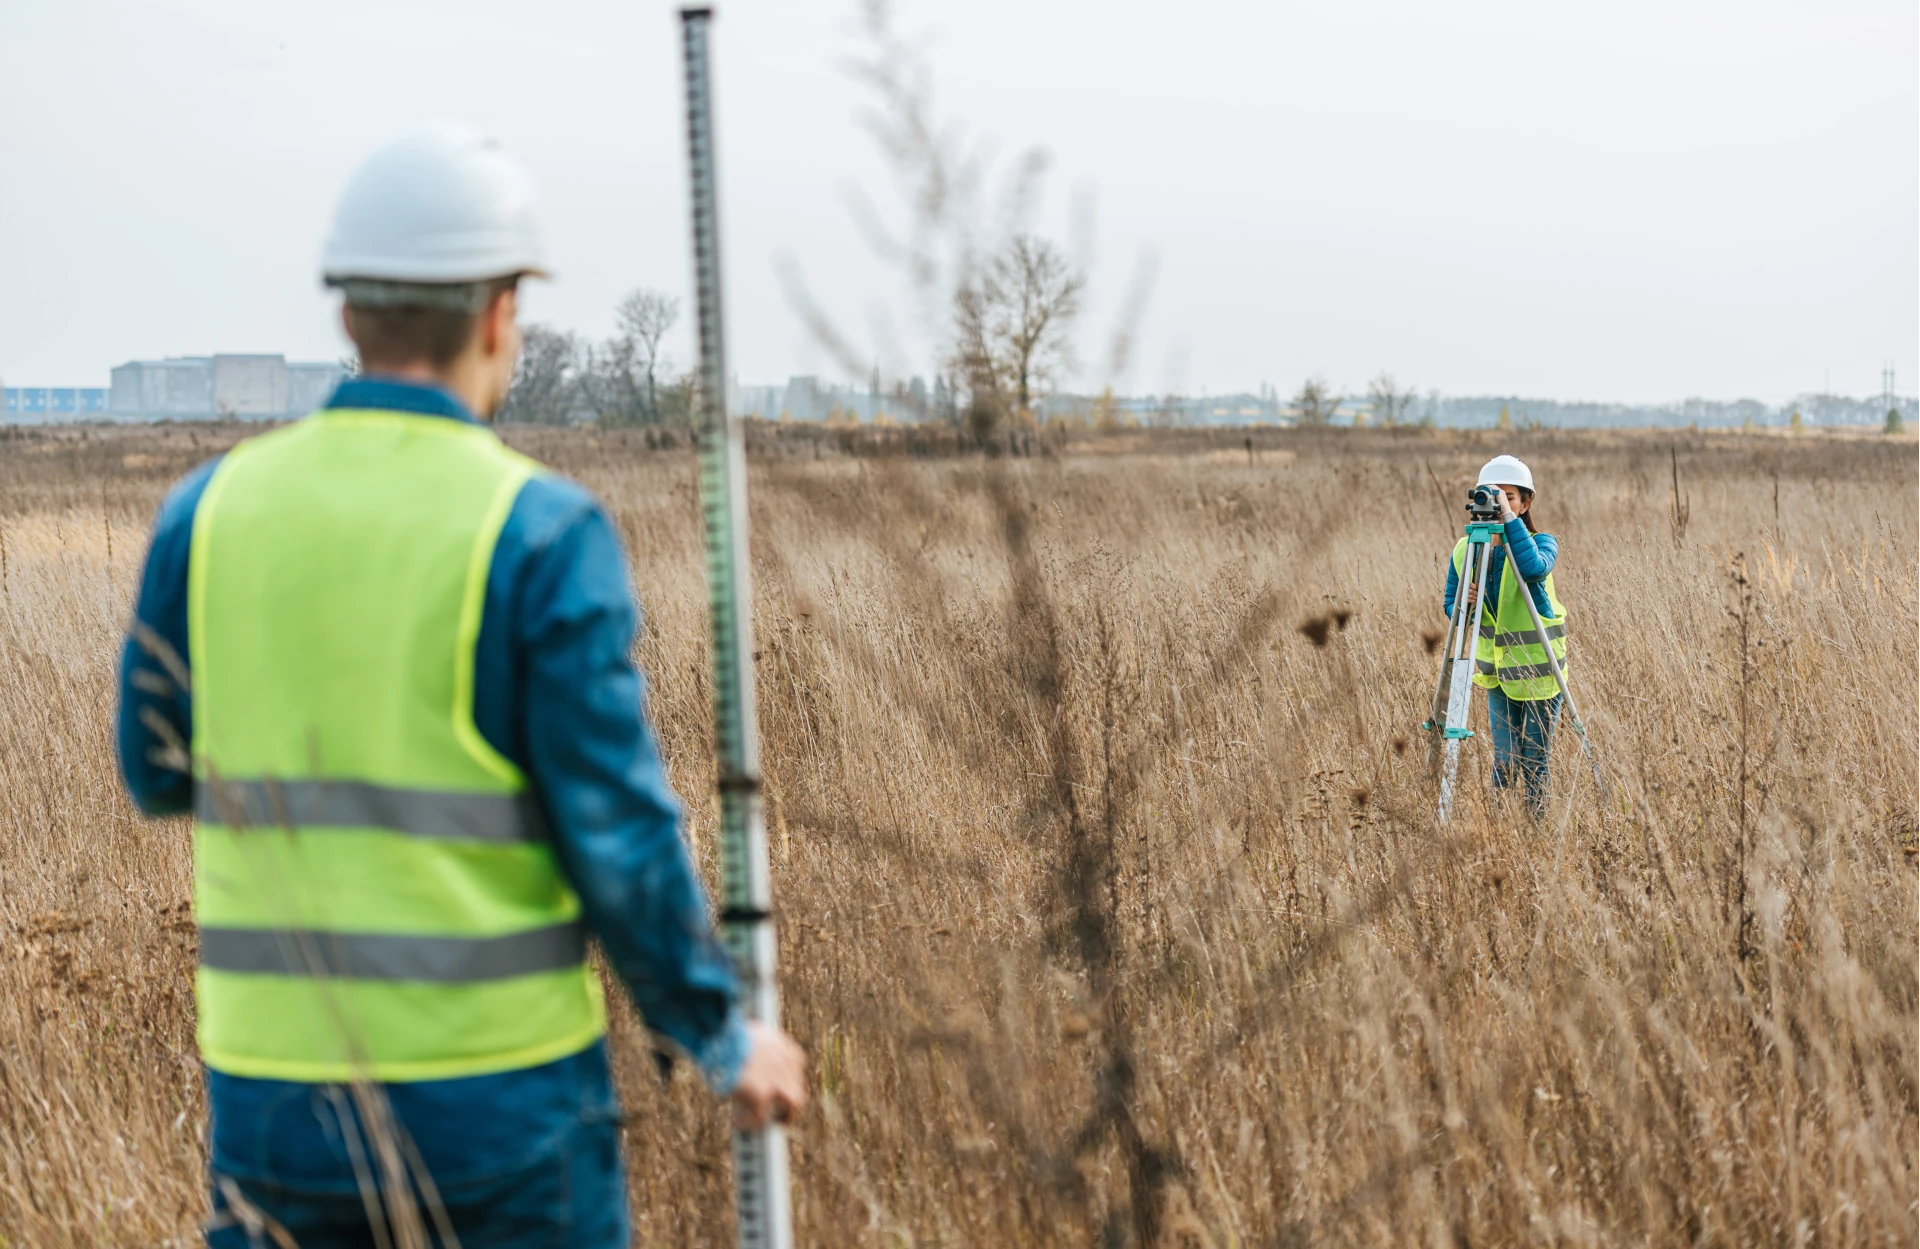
column 356, row 804
column 1527, row 637
column 392, row 956
column 375, row 893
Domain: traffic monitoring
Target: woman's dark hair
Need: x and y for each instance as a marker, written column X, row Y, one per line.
column 1526, row 517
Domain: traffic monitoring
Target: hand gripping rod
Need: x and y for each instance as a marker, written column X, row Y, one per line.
column 761, row 1207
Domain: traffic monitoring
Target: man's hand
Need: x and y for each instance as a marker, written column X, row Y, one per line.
column 773, row 1081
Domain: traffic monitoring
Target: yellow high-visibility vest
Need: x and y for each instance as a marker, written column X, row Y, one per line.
column 1506, row 651
column 375, row 894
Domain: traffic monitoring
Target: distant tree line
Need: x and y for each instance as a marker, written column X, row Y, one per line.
column 564, row 378
column 1011, row 342
column 1013, row 320
column 1386, row 403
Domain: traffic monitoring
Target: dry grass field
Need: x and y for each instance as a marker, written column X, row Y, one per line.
column 1112, row 907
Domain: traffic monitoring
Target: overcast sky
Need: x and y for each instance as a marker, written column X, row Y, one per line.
column 1637, row 201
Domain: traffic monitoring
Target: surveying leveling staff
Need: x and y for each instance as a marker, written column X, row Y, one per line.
column 421, row 772
column 1523, row 699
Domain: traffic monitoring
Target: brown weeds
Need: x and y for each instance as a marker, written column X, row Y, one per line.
column 1111, row 906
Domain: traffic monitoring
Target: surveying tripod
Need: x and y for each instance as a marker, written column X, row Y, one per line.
column 1446, row 725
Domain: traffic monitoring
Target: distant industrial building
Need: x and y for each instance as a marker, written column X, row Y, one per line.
column 807, row 398
column 182, row 388
column 41, row 403
column 239, row 387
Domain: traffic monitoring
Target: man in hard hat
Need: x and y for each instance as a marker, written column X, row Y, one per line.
column 420, row 774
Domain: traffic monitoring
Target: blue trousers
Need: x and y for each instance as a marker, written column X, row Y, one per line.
column 521, row 1160
column 1522, row 736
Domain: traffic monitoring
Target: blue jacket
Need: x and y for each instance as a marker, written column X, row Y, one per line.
column 554, row 691
column 1534, row 553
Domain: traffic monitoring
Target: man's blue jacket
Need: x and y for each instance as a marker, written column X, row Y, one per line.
column 556, row 692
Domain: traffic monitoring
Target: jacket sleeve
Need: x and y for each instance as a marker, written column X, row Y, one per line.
column 156, row 697
column 1453, row 587
column 1533, row 554
column 615, row 821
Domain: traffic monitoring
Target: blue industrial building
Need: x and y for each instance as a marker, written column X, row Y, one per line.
column 54, row 401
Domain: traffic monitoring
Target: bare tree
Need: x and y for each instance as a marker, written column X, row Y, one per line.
column 962, row 244
column 1012, row 325
column 545, row 379
column 644, row 317
column 608, row 384
column 1316, row 403
column 977, row 371
column 621, row 380
column 1035, row 293
column 1386, row 401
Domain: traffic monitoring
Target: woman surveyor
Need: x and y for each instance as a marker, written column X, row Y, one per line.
column 1523, row 699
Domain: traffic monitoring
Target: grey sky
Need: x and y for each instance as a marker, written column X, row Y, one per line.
column 1637, row 201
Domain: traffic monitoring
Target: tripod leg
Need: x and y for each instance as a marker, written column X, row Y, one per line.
column 1566, row 692
column 1461, row 653
column 1443, row 692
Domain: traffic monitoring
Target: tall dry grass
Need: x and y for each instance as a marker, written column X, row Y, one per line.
column 1112, row 909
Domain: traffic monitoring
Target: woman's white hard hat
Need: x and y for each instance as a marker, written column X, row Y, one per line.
column 1505, row 470
column 439, row 205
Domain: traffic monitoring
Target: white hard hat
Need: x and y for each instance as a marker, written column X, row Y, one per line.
column 1505, row 470
column 438, row 206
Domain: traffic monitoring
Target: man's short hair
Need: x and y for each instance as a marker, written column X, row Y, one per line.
column 396, row 324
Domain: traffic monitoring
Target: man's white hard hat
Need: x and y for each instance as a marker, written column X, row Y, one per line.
column 1505, row 470
column 439, row 206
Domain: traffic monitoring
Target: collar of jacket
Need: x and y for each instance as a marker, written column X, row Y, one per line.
column 390, row 394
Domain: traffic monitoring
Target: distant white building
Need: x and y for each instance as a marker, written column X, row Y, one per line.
column 243, row 387
column 309, row 385
column 807, row 398
column 176, row 387
column 249, row 385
